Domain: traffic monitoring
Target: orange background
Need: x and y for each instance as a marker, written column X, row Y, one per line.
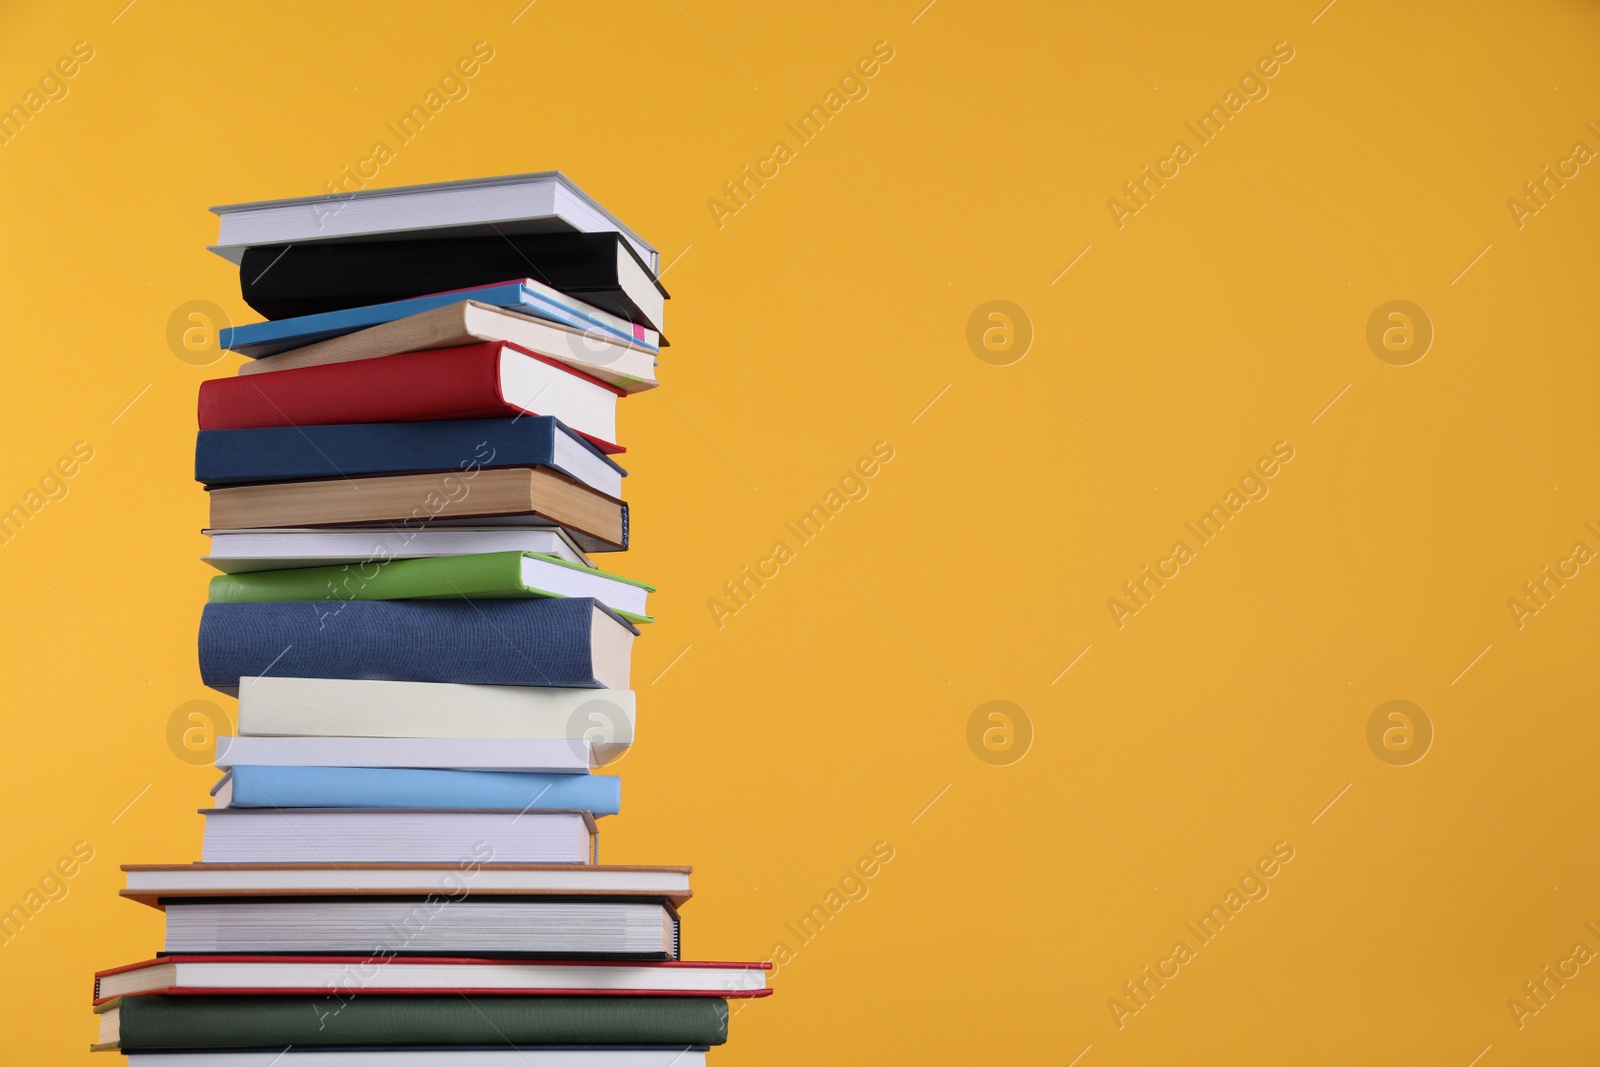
column 827, row 314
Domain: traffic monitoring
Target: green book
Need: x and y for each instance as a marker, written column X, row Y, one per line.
column 345, row 1019
column 492, row 575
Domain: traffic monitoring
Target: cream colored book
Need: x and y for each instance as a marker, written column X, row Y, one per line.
column 630, row 368
column 349, row 707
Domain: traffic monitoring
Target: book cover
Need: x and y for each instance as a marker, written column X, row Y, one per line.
column 402, row 787
column 493, row 575
column 567, row 642
column 307, row 453
column 542, row 202
column 219, row 1022
column 420, row 503
column 601, row 269
column 407, row 975
column 522, row 295
column 484, row 381
column 623, row 364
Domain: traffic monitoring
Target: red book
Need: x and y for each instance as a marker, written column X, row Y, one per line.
column 484, row 381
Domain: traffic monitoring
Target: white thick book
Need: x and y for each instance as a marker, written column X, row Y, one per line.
column 543, row 202
column 461, row 926
column 548, row 756
column 419, row 974
column 348, row 707
column 152, row 883
column 440, row 1057
column 629, row 367
column 395, row 835
column 272, row 549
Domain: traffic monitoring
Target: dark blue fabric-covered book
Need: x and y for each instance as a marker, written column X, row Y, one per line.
column 571, row 642
column 305, row 453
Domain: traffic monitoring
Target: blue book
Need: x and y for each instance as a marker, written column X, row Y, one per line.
column 305, row 453
column 525, row 297
column 569, row 642
column 401, row 787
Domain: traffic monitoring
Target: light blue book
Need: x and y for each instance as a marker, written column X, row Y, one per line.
column 393, row 787
column 525, row 297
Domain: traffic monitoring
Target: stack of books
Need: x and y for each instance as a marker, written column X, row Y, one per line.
column 407, row 485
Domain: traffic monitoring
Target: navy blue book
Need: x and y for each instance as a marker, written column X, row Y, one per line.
column 402, row 787
column 567, row 642
column 309, row 453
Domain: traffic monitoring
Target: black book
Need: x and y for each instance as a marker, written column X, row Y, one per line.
column 283, row 281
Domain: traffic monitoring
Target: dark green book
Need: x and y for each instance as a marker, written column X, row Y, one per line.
column 148, row 1023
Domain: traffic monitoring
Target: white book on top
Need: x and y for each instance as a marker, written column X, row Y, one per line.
column 542, row 202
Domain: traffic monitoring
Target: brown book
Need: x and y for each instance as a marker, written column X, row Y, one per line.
column 531, row 496
column 631, row 368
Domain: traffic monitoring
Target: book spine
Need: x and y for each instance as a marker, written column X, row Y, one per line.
column 540, row 642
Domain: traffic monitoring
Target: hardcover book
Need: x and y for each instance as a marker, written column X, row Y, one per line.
column 524, row 755
column 601, row 269
column 439, row 1056
column 278, row 706
column 493, row 575
column 543, row 202
column 629, row 367
column 266, row 549
column 485, row 381
column 343, row 836
column 573, row 643
column 312, row 453
column 448, row 927
column 421, row 503
column 412, row 788
column 524, row 296
column 328, row 1021
column 413, row 975
column 151, row 884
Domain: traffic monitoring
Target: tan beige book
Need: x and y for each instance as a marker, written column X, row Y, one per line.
column 530, row 496
column 628, row 367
